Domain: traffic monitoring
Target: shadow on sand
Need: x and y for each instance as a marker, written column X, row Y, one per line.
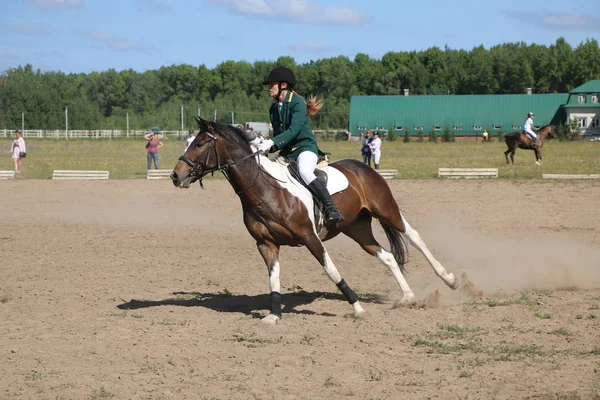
column 227, row 302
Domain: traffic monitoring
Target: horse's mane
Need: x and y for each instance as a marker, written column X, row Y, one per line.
column 238, row 135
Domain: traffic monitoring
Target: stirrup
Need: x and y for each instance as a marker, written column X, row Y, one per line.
column 333, row 216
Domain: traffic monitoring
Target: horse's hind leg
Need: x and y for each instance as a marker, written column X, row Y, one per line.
column 315, row 246
column 361, row 232
column 415, row 239
column 506, row 155
column 270, row 254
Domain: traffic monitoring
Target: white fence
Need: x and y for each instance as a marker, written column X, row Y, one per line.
column 79, row 134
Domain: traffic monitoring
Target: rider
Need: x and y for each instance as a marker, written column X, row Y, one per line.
column 294, row 138
column 528, row 129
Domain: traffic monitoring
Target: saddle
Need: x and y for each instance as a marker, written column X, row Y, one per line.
column 319, row 173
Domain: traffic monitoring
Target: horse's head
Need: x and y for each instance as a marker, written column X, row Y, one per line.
column 215, row 148
column 548, row 130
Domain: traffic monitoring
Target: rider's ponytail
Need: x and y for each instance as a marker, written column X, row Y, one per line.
column 313, row 106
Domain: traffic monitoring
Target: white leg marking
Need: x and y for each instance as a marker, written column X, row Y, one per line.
column 331, row 270
column 274, row 281
column 274, row 286
column 415, row 239
column 408, row 297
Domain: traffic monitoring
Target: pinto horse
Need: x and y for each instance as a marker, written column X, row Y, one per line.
column 523, row 141
column 279, row 211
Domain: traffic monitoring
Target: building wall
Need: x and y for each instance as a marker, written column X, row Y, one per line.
column 463, row 115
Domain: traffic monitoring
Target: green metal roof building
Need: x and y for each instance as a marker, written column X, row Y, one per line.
column 464, row 115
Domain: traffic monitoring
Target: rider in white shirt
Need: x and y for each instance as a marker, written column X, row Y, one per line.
column 528, row 128
column 376, row 149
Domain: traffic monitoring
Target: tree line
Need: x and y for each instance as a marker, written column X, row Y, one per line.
column 103, row 100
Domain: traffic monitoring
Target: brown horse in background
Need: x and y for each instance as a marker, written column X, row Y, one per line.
column 524, row 141
column 278, row 211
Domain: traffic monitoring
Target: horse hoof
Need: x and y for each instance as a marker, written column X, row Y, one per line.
column 356, row 315
column 406, row 301
column 270, row 319
column 451, row 281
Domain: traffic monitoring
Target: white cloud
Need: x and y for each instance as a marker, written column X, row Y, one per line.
column 309, row 47
column 115, row 43
column 32, row 29
column 7, row 55
column 299, row 11
column 153, row 5
column 56, row 4
column 566, row 21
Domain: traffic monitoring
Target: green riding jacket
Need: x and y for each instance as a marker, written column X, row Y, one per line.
column 291, row 132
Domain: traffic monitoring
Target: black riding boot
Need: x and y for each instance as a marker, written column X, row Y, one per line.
column 376, row 166
column 332, row 214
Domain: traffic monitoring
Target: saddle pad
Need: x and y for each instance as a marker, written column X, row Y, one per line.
column 336, row 181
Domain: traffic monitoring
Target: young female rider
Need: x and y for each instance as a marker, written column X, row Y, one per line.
column 294, row 138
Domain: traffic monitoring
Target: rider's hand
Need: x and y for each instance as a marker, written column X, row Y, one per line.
column 265, row 146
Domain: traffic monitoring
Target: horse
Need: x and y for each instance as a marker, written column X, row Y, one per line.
column 524, row 141
column 279, row 211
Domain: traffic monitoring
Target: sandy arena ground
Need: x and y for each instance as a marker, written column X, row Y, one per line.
column 138, row 290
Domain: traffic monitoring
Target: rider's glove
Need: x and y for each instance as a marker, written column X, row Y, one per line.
column 265, row 146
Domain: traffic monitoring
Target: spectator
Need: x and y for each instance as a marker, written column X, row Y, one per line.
column 19, row 151
column 376, row 149
column 189, row 139
column 152, row 146
column 366, row 148
column 485, row 135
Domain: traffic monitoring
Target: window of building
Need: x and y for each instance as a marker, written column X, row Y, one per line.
column 516, row 127
column 581, row 99
column 582, row 122
column 596, row 123
column 457, row 128
column 437, row 128
column 380, row 128
column 497, row 127
column 362, row 128
column 477, row 127
column 418, row 128
column 595, row 98
column 399, row 128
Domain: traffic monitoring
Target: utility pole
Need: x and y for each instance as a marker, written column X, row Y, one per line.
column 67, row 122
column 182, row 118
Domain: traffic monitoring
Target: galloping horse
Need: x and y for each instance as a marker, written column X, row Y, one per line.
column 523, row 141
column 279, row 211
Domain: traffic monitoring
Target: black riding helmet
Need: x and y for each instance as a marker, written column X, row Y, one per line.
column 280, row 74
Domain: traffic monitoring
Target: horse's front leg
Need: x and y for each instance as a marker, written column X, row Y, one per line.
column 270, row 253
column 315, row 246
column 538, row 157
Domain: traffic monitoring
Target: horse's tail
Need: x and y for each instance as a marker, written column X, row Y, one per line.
column 397, row 243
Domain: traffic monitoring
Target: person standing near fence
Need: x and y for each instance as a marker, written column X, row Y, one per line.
column 376, row 149
column 366, row 148
column 152, row 146
column 189, row 139
column 19, row 151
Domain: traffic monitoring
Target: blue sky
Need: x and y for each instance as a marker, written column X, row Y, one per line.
column 95, row 35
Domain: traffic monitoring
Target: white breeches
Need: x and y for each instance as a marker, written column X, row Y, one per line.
column 307, row 162
column 530, row 133
column 376, row 157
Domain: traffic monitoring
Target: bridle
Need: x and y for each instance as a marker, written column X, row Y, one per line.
column 198, row 171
